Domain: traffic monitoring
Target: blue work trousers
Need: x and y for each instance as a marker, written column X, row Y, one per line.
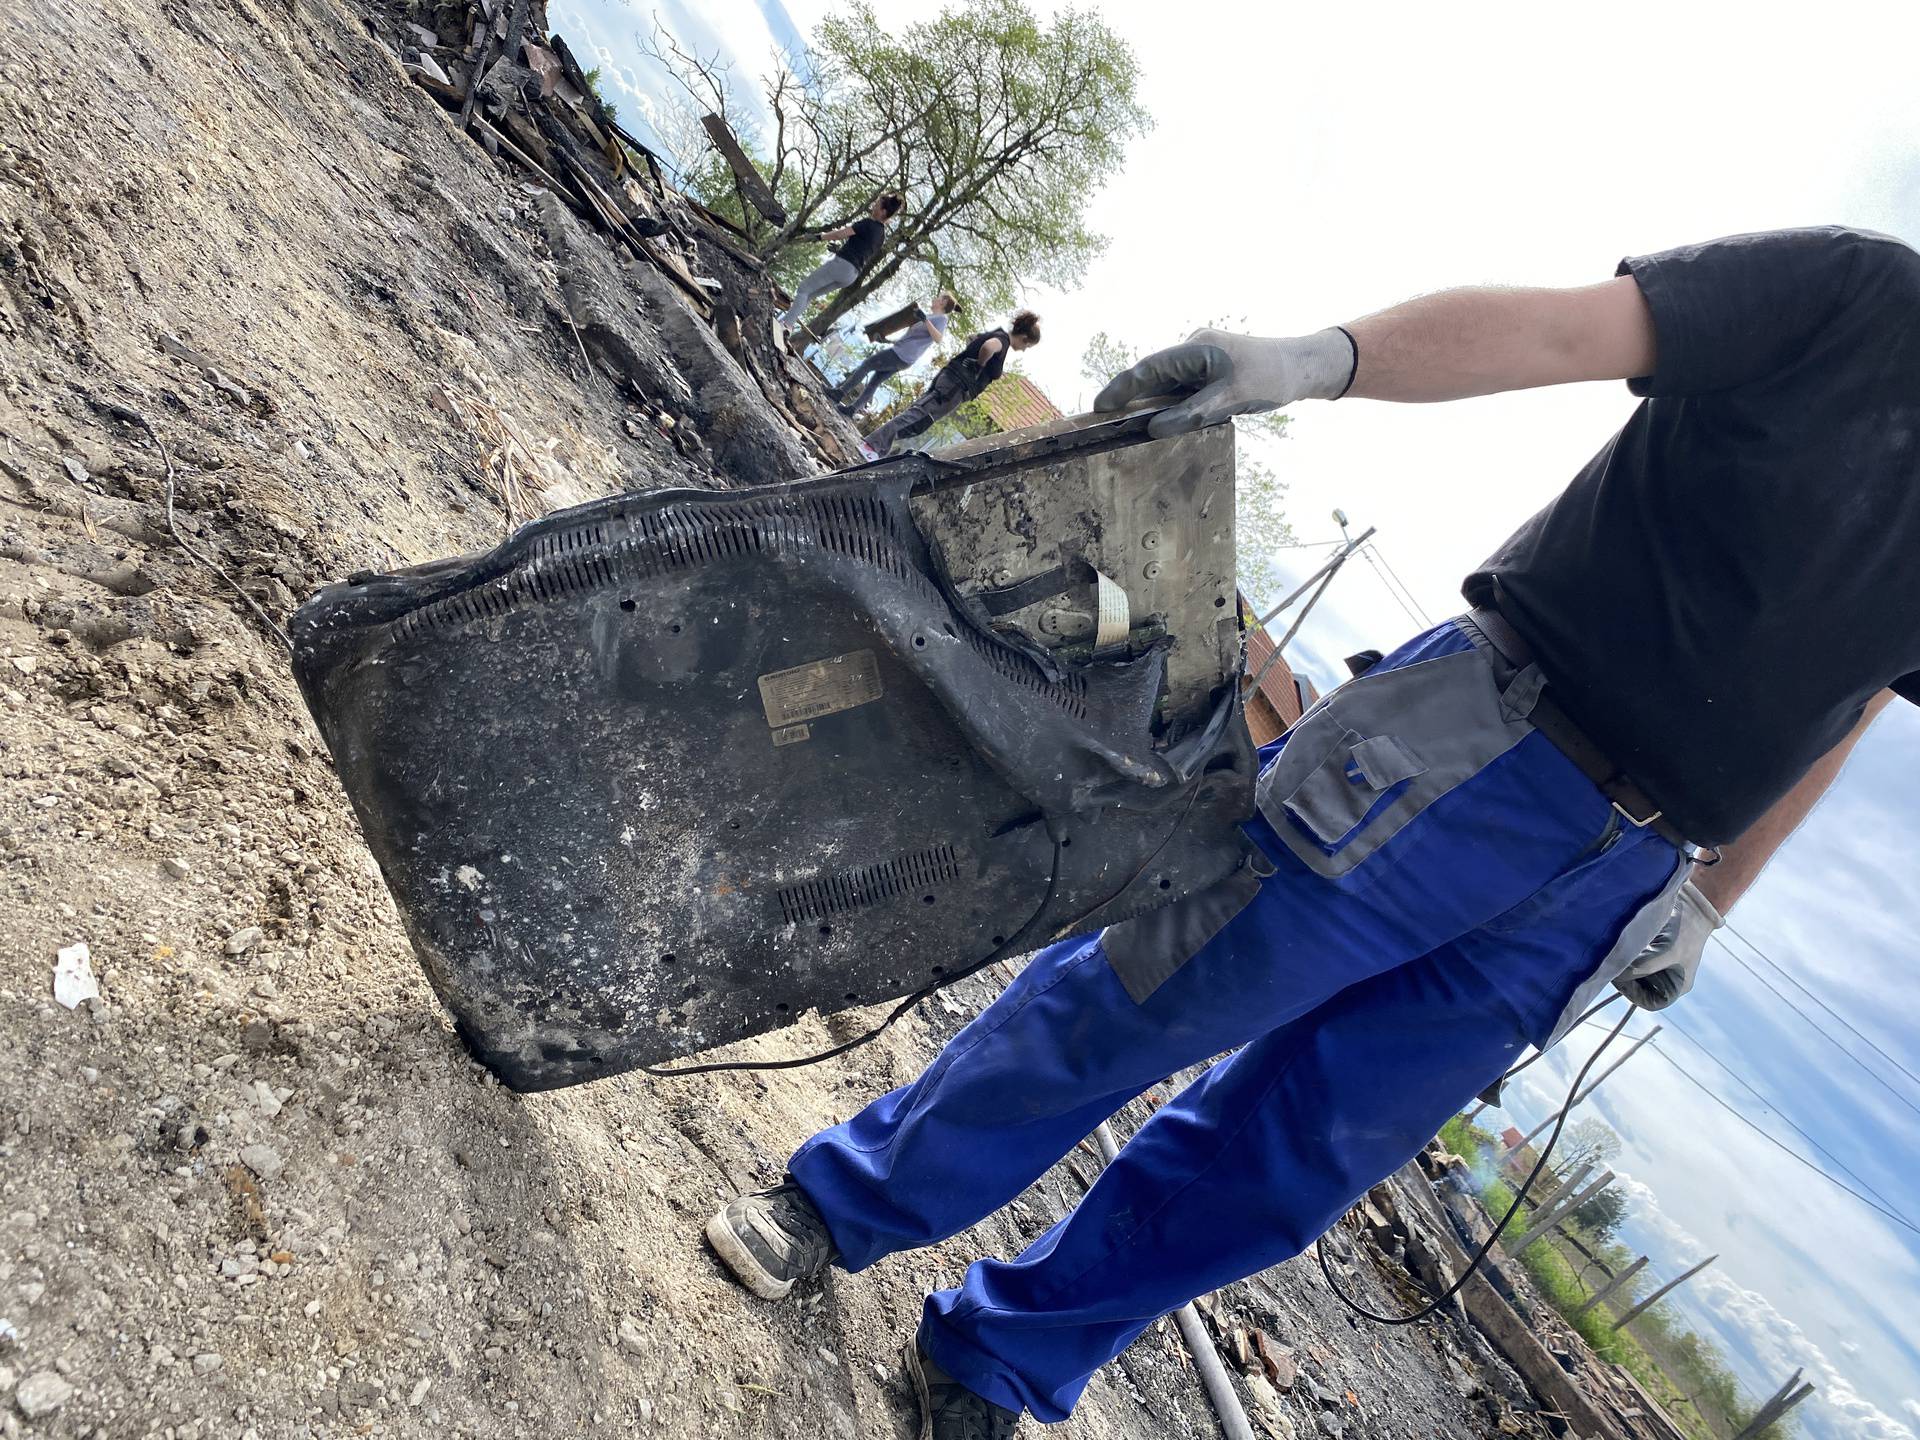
column 1362, row 1011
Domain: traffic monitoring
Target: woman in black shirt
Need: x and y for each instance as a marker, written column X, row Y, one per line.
column 863, row 240
column 977, row 366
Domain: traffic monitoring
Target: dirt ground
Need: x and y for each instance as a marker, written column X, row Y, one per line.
column 256, row 1189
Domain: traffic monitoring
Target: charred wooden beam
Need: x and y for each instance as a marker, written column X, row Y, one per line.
column 752, row 183
column 908, row 314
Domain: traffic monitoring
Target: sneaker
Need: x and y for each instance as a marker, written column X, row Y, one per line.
column 867, row 452
column 950, row 1411
column 771, row 1240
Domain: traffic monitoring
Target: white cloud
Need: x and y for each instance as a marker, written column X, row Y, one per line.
column 1763, row 1344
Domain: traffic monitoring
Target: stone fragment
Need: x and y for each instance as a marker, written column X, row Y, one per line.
column 42, row 1393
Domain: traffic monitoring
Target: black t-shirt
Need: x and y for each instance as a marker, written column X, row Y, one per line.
column 1729, row 581
column 859, row 248
column 990, row 369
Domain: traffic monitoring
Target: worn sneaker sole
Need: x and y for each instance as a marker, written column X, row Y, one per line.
column 737, row 1258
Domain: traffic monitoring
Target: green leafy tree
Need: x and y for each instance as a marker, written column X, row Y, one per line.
column 996, row 127
column 1600, row 1217
column 592, row 77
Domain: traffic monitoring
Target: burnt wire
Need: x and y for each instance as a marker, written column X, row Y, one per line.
column 173, row 526
column 1585, row 1016
column 1320, row 1246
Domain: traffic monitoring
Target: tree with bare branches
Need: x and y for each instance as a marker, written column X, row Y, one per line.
column 998, row 128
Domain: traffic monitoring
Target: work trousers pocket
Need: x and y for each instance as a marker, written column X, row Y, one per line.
column 1369, row 759
column 1148, row 950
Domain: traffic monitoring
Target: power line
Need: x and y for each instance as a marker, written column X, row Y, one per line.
column 1744, row 1084
column 1788, row 976
column 1779, row 1145
column 1402, row 584
column 1824, row 1034
column 1380, row 575
column 1391, row 577
column 1767, row 1135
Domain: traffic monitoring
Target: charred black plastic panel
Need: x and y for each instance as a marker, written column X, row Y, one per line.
column 666, row 770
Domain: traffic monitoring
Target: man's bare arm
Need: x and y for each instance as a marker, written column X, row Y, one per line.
column 1741, row 862
column 1482, row 341
column 1439, row 347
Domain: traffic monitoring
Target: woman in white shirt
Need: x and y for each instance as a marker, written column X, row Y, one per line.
column 903, row 354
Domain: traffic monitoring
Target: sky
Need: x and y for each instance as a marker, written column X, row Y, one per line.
column 1311, row 163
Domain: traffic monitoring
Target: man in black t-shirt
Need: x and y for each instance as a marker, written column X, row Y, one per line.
column 861, row 243
column 977, row 366
column 1459, row 850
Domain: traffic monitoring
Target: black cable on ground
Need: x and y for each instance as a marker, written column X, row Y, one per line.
column 1320, row 1246
column 173, row 527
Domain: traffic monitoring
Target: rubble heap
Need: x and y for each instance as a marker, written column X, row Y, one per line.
column 527, row 101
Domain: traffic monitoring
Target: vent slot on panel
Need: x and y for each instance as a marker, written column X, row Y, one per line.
column 856, row 889
column 678, row 537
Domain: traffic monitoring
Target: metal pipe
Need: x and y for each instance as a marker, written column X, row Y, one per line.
column 1213, row 1375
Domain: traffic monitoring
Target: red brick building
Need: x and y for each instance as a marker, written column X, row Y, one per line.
column 1015, row 402
column 1282, row 695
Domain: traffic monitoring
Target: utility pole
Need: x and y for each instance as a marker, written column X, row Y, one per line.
column 1323, row 577
column 1592, row 1086
column 1612, row 1285
column 1551, row 1195
column 1784, row 1399
column 1659, row 1294
column 1546, row 1220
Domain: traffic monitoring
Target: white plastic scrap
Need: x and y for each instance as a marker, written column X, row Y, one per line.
column 73, row 981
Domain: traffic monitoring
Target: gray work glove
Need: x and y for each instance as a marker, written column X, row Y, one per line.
column 1227, row 375
column 1664, row 971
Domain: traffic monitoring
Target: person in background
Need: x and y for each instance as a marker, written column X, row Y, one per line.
column 960, row 379
column 861, row 242
column 902, row 355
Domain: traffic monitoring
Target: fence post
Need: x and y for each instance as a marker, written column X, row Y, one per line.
column 1612, row 1285
column 1674, row 1283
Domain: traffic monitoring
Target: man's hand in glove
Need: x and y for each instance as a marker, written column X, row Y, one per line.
column 1664, row 971
column 1227, row 375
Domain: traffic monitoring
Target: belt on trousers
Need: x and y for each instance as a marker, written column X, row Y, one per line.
column 1632, row 803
